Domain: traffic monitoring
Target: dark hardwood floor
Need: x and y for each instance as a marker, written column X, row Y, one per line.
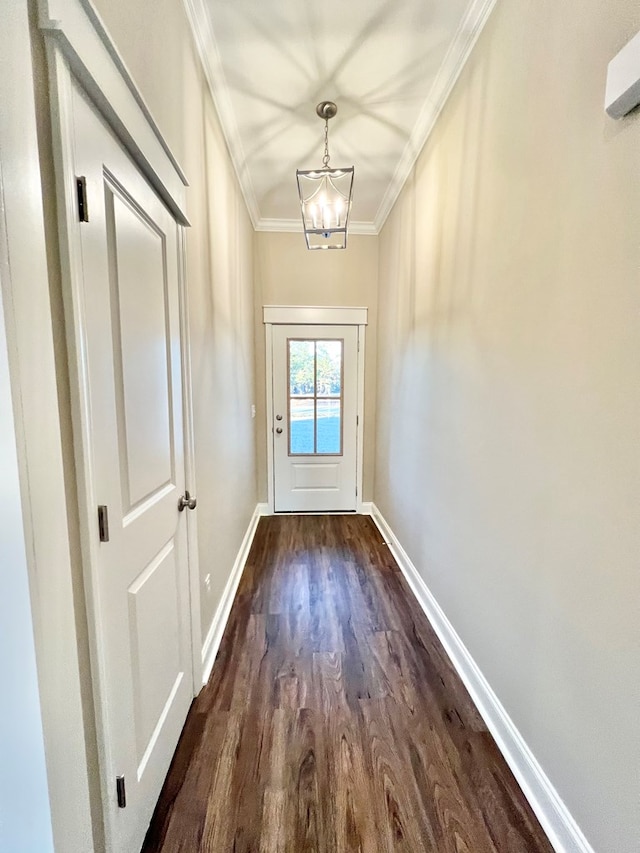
column 333, row 720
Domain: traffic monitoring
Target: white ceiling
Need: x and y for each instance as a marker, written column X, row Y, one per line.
column 388, row 64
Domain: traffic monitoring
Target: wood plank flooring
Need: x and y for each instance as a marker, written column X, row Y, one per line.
column 333, row 721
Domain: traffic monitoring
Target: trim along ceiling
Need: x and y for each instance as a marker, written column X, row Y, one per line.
column 389, row 65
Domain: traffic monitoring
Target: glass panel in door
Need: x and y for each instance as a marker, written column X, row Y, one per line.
column 315, row 372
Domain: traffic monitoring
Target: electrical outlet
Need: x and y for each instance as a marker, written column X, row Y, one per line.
column 207, row 583
column 253, row 410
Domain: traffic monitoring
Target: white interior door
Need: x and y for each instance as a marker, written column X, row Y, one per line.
column 132, row 363
column 315, row 407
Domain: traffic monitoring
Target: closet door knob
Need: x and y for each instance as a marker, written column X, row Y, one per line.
column 186, row 502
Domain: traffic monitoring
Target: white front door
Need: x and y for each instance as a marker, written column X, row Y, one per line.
column 132, row 361
column 315, row 406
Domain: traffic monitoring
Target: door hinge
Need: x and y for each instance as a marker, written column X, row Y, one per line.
column 122, row 792
column 83, row 207
column 103, row 523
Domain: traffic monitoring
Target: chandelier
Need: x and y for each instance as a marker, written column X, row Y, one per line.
column 325, row 195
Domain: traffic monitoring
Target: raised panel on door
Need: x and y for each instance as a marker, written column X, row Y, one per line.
column 156, row 667
column 141, row 348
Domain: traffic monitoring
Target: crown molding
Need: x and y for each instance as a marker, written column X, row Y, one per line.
column 209, row 54
column 456, row 58
column 365, row 229
column 295, row 225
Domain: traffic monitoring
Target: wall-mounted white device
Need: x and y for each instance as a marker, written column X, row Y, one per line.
column 623, row 80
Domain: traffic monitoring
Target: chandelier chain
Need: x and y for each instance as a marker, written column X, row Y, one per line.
column 325, row 159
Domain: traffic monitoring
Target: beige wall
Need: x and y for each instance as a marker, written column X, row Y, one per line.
column 508, row 394
column 287, row 273
column 155, row 41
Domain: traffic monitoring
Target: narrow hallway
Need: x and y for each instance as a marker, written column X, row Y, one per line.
column 333, row 720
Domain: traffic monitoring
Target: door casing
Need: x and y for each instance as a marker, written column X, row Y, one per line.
column 24, row 280
column 302, row 315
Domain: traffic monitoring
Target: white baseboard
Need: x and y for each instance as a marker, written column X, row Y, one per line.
column 365, row 508
column 562, row 830
column 263, row 509
column 221, row 616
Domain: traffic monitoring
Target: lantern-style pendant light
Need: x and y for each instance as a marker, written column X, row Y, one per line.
column 325, row 196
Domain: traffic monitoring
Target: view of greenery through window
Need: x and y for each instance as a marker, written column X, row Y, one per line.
column 315, row 377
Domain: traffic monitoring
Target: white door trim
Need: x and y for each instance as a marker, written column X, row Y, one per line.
column 78, row 46
column 42, row 496
column 315, row 315
column 77, row 31
column 190, row 464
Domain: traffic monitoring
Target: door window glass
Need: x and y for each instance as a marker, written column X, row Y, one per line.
column 315, row 397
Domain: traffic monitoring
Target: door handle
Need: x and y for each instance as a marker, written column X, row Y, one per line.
column 279, row 430
column 186, row 502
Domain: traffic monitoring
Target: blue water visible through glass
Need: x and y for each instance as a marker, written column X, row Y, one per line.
column 328, row 435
